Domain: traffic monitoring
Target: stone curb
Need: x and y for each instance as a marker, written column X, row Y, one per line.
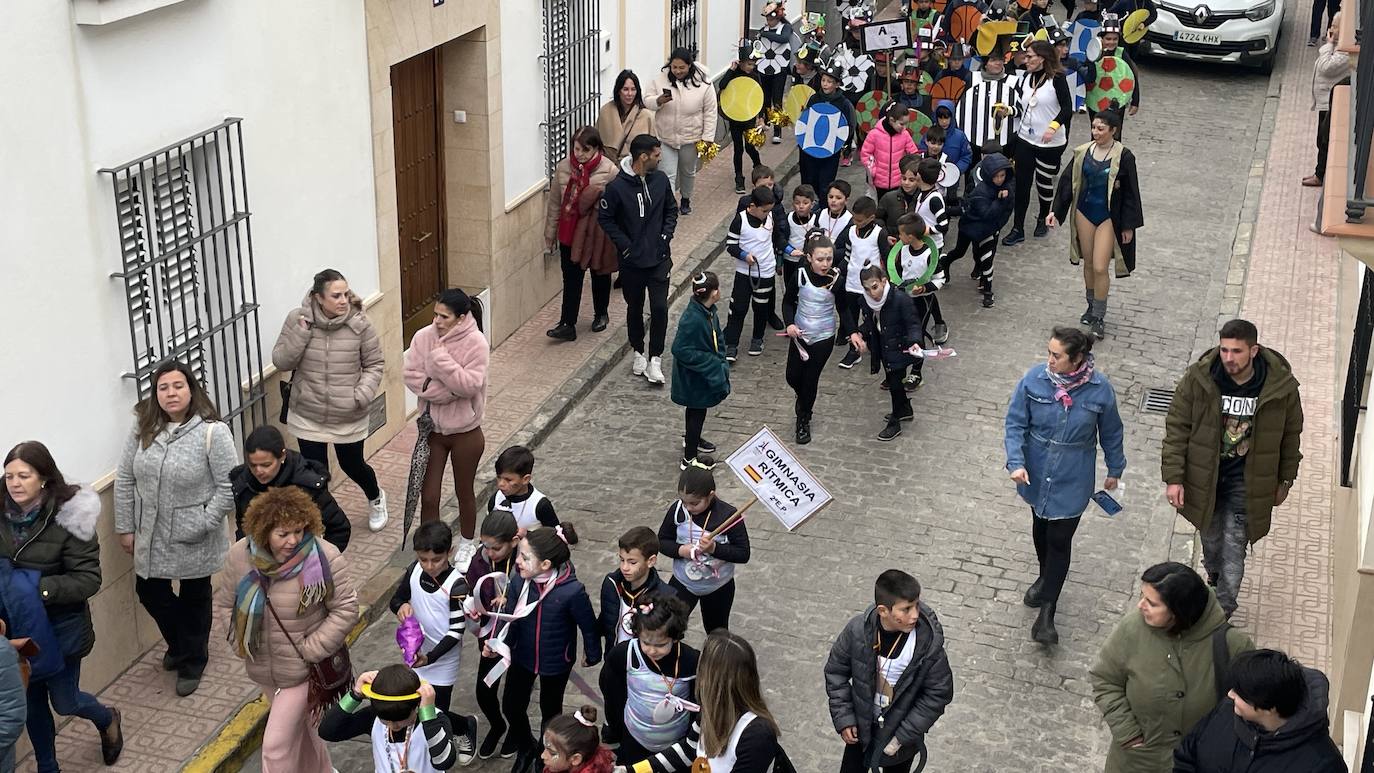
column 241, row 735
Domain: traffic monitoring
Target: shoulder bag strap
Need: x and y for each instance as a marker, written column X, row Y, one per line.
column 1221, row 661
column 267, row 599
column 620, row 149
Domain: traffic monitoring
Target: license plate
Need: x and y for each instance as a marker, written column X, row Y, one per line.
column 1207, row 38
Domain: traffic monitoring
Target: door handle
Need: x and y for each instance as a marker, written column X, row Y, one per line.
column 422, row 236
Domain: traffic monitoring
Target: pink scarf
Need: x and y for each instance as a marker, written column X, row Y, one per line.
column 1064, row 382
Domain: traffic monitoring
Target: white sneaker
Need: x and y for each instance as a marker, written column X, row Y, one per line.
column 467, row 549
column 376, row 520
column 654, row 373
column 640, row 364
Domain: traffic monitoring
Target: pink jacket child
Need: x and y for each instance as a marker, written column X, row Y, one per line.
column 882, row 153
column 450, row 375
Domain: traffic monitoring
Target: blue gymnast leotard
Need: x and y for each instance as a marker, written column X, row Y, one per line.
column 1092, row 201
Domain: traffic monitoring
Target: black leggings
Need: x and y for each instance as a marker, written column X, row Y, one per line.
column 983, row 253
column 696, row 421
column 1053, row 549
column 773, row 86
column 805, row 376
column 488, row 699
column 742, row 296
column 516, row 702
column 1038, row 165
column 350, row 460
column 819, row 172
column 572, row 288
column 901, row 404
column 715, row 606
column 739, row 147
column 853, row 760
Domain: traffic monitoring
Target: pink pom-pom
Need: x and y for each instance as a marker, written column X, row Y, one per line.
column 410, row 637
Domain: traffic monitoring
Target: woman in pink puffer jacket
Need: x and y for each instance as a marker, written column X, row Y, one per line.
column 446, row 367
column 884, row 148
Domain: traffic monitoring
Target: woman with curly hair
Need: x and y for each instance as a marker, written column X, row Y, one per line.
column 292, row 604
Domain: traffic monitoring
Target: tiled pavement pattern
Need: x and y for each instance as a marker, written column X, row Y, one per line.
column 936, row 501
column 1290, row 295
column 162, row 730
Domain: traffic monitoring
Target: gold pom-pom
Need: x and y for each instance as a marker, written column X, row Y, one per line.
column 707, row 151
column 755, row 137
column 778, row 117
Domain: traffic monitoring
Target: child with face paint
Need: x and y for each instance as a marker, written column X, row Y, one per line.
column 649, row 683
column 571, row 745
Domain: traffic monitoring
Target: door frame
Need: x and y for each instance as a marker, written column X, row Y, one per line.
column 411, row 324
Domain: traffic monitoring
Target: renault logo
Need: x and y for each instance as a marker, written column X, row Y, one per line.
column 1201, row 13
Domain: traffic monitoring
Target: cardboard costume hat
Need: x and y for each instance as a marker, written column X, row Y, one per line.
column 810, row 52
column 1054, row 33
column 956, row 50
column 750, row 50
column 911, row 71
column 1110, row 23
column 774, row 10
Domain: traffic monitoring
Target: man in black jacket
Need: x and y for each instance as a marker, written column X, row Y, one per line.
column 1273, row 721
column 639, row 214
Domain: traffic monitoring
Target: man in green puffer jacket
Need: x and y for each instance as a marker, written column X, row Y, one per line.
column 1231, row 449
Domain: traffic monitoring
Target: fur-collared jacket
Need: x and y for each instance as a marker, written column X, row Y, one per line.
column 62, row 548
column 336, row 363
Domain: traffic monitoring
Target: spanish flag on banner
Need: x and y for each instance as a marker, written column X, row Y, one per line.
column 752, row 473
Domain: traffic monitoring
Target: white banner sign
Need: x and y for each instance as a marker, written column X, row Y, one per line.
column 780, row 481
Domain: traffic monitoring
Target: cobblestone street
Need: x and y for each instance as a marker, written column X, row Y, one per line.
column 936, row 502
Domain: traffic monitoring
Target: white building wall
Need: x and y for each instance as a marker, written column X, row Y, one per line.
column 84, row 97
column 522, row 97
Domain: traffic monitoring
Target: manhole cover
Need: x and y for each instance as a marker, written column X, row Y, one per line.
column 1157, row 400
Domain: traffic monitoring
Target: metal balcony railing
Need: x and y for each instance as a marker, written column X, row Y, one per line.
column 1362, row 120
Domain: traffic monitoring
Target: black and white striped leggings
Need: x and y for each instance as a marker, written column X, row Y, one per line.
column 1039, row 165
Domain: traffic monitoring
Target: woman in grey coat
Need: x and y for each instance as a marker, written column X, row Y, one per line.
column 172, row 497
column 336, row 361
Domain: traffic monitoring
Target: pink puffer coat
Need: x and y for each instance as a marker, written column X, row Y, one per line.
column 319, row 631
column 882, row 154
column 450, row 375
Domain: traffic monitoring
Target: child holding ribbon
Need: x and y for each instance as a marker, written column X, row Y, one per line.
column 705, row 539
column 535, row 633
column 815, row 298
column 390, row 705
column 649, row 686
column 496, row 559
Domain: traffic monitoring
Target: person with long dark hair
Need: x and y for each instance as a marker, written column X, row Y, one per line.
column 49, row 527
column 446, row 367
column 336, row 362
column 1103, row 190
column 624, row 117
column 269, row 464
column 1044, row 107
column 570, row 222
column 1059, row 413
column 172, row 496
column 685, row 105
column 1155, row 676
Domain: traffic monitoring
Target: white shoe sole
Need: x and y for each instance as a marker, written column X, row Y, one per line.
column 374, row 525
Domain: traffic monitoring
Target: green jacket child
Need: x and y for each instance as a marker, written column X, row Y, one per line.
column 701, row 376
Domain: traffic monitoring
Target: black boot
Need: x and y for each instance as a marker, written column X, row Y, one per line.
column 1032, row 597
column 1043, row 631
column 803, row 431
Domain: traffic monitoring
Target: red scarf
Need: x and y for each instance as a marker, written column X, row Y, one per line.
column 580, row 178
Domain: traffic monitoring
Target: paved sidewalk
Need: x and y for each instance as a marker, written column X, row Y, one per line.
column 1290, row 295
column 162, row 732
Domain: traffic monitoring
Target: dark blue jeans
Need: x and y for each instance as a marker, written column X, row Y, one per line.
column 63, row 692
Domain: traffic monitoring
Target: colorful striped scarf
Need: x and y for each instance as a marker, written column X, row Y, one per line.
column 307, row 563
column 1064, row 382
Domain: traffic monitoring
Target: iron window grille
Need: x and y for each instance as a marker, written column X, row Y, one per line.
column 683, row 26
column 572, row 73
column 190, row 286
column 1353, row 399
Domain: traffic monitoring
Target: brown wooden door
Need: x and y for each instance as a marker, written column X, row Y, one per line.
column 415, row 87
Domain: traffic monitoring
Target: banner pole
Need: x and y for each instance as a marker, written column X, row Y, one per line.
column 734, row 519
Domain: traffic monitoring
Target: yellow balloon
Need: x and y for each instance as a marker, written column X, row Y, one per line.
column 742, row 99
column 795, row 102
column 1133, row 28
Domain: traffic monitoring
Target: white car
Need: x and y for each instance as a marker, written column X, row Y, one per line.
column 1239, row 31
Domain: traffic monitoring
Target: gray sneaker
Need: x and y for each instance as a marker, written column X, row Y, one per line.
column 941, row 333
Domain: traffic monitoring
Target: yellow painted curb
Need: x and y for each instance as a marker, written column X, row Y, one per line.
column 225, row 753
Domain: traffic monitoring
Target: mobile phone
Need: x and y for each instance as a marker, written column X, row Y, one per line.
column 1110, row 507
column 668, row 93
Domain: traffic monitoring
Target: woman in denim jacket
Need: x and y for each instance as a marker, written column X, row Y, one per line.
column 1058, row 413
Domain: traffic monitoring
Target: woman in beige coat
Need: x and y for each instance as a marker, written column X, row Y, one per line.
column 336, row 361
column 624, row 117
column 292, row 603
column 684, row 102
column 570, row 222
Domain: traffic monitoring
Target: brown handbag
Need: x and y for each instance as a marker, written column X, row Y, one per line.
column 329, row 679
column 25, row 648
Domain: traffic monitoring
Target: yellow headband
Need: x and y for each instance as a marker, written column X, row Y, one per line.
column 369, row 693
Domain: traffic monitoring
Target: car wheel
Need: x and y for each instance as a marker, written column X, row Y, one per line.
column 1266, row 65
